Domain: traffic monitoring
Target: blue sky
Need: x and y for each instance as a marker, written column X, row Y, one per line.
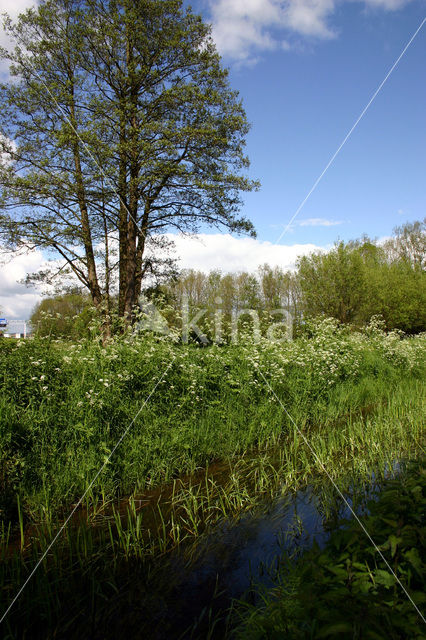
column 303, row 100
column 305, row 70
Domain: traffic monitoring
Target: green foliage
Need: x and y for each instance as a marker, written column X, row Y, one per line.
column 124, row 126
column 351, row 283
column 110, row 565
column 64, row 405
column 226, row 299
column 357, row 280
column 64, row 316
column 333, row 283
column 348, row 589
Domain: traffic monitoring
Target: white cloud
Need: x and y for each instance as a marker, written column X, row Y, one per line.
column 243, row 28
column 239, row 26
column 17, row 300
column 388, row 5
column 229, row 254
column 13, row 8
column 7, row 147
column 381, row 241
column 309, row 17
column 319, row 222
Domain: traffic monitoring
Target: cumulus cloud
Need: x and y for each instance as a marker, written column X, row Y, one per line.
column 203, row 252
column 222, row 251
column 309, row 17
column 243, row 28
column 16, row 300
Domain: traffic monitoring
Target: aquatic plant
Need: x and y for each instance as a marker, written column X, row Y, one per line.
column 355, row 397
column 63, row 406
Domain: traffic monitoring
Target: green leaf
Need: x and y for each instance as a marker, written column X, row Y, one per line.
column 393, row 541
column 412, row 555
column 384, row 577
column 338, row 571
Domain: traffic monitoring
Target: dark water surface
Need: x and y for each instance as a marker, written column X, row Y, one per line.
column 188, row 592
column 236, row 556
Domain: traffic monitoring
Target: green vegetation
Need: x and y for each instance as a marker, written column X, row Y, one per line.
column 120, row 444
column 347, row 589
column 63, row 405
column 126, row 128
column 359, row 279
column 109, row 567
column 355, row 398
column 351, row 283
column 68, row 316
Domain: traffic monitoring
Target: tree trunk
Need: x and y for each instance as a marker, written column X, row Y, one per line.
column 135, row 240
column 123, row 219
column 92, row 277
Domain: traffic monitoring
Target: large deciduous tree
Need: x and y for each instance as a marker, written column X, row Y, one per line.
column 118, row 125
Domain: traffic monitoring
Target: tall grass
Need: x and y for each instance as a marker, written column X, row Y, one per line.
column 63, row 407
column 102, row 563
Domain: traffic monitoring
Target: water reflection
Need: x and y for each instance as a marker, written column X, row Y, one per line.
column 237, row 555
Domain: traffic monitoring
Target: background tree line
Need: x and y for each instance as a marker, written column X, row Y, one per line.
column 351, row 282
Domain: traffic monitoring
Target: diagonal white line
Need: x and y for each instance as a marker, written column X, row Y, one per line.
column 302, row 435
column 123, row 435
column 166, row 370
column 146, row 400
column 335, row 154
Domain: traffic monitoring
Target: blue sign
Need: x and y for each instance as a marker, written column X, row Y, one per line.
column 3, row 322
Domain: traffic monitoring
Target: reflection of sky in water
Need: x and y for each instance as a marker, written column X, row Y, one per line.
column 243, row 551
column 238, row 554
column 202, row 578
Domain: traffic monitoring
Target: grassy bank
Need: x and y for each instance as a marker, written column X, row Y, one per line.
column 355, row 398
column 63, row 406
column 108, row 573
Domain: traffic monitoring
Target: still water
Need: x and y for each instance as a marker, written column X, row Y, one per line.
column 237, row 557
